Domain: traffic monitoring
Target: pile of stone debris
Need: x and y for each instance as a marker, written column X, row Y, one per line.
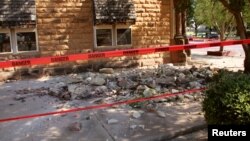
column 117, row 85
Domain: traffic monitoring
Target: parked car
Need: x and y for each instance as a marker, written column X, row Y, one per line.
column 201, row 35
column 213, row 36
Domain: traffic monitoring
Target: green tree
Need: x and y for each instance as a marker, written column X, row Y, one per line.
column 215, row 15
column 190, row 12
column 246, row 14
column 191, row 18
column 236, row 7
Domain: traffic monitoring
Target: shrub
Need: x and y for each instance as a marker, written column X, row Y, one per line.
column 227, row 99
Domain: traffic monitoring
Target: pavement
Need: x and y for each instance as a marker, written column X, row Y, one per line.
column 234, row 61
column 180, row 118
column 183, row 120
column 200, row 135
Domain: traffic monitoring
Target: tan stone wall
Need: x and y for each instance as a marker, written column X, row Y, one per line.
column 152, row 27
column 64, row 26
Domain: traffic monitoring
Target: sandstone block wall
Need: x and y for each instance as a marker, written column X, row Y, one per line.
column 66, row 27
column 152, row 28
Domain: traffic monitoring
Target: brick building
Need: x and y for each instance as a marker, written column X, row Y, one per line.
column 36, row 28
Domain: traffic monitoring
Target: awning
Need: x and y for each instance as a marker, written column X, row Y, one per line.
column 17, row 13
column 114, row 11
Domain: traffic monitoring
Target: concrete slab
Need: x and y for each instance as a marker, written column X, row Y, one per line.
column 94, row 123
column 200, row 135
column 150, row 126
column 232, row 62
column 56, row 128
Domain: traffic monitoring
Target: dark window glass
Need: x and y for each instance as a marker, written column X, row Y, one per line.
column 26, row 41
column 124, row 36
column 5, row 42
column 104, row 37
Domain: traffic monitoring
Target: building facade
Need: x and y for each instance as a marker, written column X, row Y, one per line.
column 38, row 28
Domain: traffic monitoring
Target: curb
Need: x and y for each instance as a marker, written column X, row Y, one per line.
column 183, row 131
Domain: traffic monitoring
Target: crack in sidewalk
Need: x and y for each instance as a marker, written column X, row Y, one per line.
column 104, row 127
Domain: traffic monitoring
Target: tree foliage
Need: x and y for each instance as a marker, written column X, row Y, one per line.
column 190, row 12
column 227, row 99
column 236, row 7
column 246, row 13
column 214, row 14
column 211, row 13
column 191, row 18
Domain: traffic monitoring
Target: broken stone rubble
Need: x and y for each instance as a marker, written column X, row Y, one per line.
column 130, row 83
column 76, row 126
column 106, row 70
column 161, row 114
column 112, row 121
column 136, row 114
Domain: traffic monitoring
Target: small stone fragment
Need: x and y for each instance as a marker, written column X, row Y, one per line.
column 133, row 126
column 76, row 126
column 106, row 70
column 112, row 121
column 161, row 114
column 174, row 91
column 97, row 81
column 136, row 115
column 142, row 126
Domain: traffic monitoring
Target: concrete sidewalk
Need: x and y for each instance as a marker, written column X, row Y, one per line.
column 232, row 62
column 121, row 123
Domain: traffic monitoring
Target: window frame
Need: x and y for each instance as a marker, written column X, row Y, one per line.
column 103, row 27
column 18, row 30
column 122, row 27
column 11, row 43
column 114, row 36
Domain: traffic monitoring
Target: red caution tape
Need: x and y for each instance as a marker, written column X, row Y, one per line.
column 100, row 106
column 109, row 54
